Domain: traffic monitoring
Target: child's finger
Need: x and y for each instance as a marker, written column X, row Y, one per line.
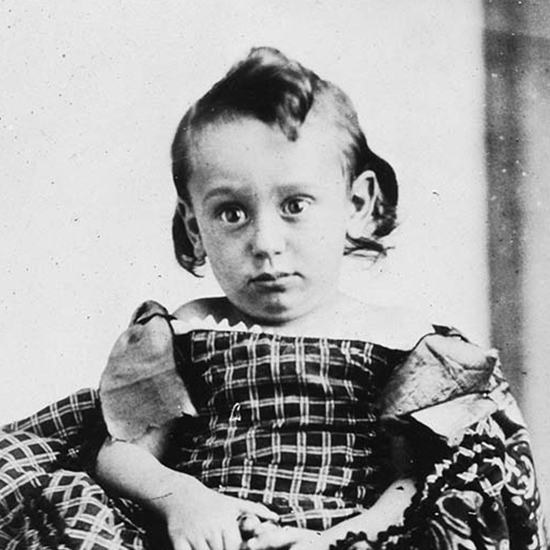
column 267, row 526
column 198, row 544
column 216, row 542
column 202, row 545
column 232, row 539
column 248, row 525
column 181, row 544
column 279, row 539
column 259, row 510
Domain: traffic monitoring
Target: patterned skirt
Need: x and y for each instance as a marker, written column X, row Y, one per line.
column 480, row 494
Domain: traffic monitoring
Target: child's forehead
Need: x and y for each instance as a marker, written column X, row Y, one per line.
column 210, row 140
column 248, row 150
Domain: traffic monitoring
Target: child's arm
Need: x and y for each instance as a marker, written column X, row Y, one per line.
column 196, row 517
column 141, row 395
column 387, row 511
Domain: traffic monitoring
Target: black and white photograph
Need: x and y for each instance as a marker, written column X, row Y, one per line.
column 274, row 275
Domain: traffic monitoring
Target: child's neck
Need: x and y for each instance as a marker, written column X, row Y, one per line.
column 343, row 318
column 337, row 317
column 313, row 322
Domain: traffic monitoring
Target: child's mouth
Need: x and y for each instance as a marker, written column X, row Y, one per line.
column 276, row 281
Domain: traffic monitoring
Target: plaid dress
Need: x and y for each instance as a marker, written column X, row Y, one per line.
column 287, row 421
column 290, row 422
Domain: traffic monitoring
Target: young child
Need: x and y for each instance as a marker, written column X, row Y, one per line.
column 284, row 414
column 284, row 375
column 275, row 184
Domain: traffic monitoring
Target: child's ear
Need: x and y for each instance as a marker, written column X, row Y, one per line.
column 192, row 228
column 363, row 194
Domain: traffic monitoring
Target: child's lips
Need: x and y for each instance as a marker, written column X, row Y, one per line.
column 275, row 281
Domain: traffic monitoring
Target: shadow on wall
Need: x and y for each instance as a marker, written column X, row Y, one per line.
column 517, row 56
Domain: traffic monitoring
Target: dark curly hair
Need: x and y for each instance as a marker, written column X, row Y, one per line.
column 268, row 86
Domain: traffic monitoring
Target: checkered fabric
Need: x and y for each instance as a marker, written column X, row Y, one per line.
column 287, row 421
column 45, row 501
column 480, row 494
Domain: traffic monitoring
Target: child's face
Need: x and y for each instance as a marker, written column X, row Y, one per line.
column 271, row 216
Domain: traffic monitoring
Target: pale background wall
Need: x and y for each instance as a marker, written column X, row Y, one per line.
column 90, row 95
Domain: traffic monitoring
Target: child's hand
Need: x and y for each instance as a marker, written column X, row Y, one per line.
column 269, row 537
column 199, row 518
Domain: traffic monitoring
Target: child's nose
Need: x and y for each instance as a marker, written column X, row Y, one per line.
column 268, row 237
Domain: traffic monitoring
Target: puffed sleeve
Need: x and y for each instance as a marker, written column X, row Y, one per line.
column 49, row 496
column 446, row 384
column 478, row 487
column 140, row 387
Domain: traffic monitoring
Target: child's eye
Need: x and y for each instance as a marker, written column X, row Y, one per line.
column 232, row 214
column 296, row 206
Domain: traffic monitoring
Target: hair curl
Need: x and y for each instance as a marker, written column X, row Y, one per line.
column 280, row 92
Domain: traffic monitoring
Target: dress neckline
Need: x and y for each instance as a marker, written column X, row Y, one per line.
column 209, row 324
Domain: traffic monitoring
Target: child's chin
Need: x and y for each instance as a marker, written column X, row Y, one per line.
column 279, row 313
column 273, row 316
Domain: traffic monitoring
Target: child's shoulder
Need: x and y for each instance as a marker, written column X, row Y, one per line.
column 394, row 327
column 202, row 308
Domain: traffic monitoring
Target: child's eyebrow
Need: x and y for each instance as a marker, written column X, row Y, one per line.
column 283, row 188
column 298, row 186
column 217, row 191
